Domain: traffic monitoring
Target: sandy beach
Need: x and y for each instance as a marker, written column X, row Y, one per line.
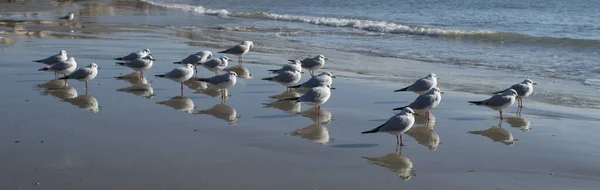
column 142, row 134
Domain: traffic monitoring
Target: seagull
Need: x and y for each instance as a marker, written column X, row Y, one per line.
column 324, row 78
column 239, row 50
column 139, row 64
column 84, row 74
column 61, row 67
column 286, row 78
column 397, row 125
column 523, row 89
column 68, row 17
column 316, row 96
column 61, row 56
column 196, row 59
column 295, row 65
column 499, row 101
column 216, row 65
column 179, row 74
column 426, row 102
column 422, row 85
column 313, row 64
column 221, row 82
column 135, row 55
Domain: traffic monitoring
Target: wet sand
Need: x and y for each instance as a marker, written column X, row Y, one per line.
column 127, row 134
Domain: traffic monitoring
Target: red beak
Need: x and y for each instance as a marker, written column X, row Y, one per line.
column 441, row 92
column 534, row 83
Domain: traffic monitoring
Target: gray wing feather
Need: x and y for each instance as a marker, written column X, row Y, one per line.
column 284, row 77
column 81, row 73
column 396, row 123
column 212, row 63
column 520, row 88
column 421, row 85
column 422, row 101
column 310, row 95
column 218, row 79
column 60, row 66
column 497, row 100
column 238, row 49
column 176, row 73
column 191, row 59
column 309, row 62
column 137, row 63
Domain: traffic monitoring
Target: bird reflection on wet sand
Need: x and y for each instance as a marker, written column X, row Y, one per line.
column 497, row 134
column 425, row 134
column 85, row 102
column 395, row 162
column 222, row 111
column 519, row 122
column 180, row 103
column 324, row 116
column 316, row 132
column 241, row 71
column 289, row 106
column 139, row 86
column 58, row 88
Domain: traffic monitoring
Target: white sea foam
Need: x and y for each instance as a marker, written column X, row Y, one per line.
column 189, row 8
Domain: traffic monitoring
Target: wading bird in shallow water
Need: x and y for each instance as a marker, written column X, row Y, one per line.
column 62, row 67
column 313, row 63
column 135, row 55
column 426, row 102
column 499, row 101
column 422, row 85
column 68, row 18
column 316, row 96
column 180, row 74
column 294, row 65
column 221, row 82
column 84, row 74
column 140, row 64
column 239, row 50
column 286, row 78
column 196, row 59
column 216, row 65
column 523, row 89
column 397, row 125
column 61, row 56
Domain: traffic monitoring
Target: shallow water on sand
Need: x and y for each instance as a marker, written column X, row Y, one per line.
column 142, row 134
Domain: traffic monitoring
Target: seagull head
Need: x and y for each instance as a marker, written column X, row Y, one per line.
column 529, row 82
column 63, row 52
column 225, row 58
column 231, row 73
column 248, row 43
column 189, row 66
column 149, row 57
column 71, row 59
column 409, row 110
column 321, row 56
column 93, row 66
column 327, row 74
column 432, row 75
column 435, row 89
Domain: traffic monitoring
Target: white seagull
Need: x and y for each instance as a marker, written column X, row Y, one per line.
column 397, row 125
column 523, row 89
column 62, row 67
column 426, row 102
column 68, row 18
column 179, row 74
column 313, row 64
column 139, row 64
column 422, row 85
column 135, row 55
column 295, row 65
column 286, row 78
column 221, row 82
column 316, row 96
column 324, row 78
column 499, row 101
column 84, row 74
column 216, row 65
column 196, row 59
column 239, row 50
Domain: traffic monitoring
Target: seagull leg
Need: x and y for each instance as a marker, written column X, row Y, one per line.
column 397, row 140
column 142, row 74
column 401, row 144
column 196, row 69
column 240, row 59
column 86, row 86
column 427, row 115
column 500, row 115
column 55, row 76
column 318, row 110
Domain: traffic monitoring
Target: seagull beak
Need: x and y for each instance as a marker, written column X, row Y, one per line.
column 534, row 83
column 333, row 77
column 332, row 88
column 99, row 68
column 441, row 92
column 415, row 114
column 326, row 58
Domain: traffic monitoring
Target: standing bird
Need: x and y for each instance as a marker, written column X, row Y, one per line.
column 196, row 59
column 139, row 64
column 239, row 50
column 84, row 74
column 397, row 125
column 180, row 74
column 316, row 96
column 62, row 67
column 324, row 78
column 61, row 56
column 523, row 89
column 313, row 64
column 221, row 82
column 499, row 101
column 68, row 17
column 426, row 102
column 422, row 85
column 216, row 65
column 135, row 55
column 295, row 65
column 286, row 78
